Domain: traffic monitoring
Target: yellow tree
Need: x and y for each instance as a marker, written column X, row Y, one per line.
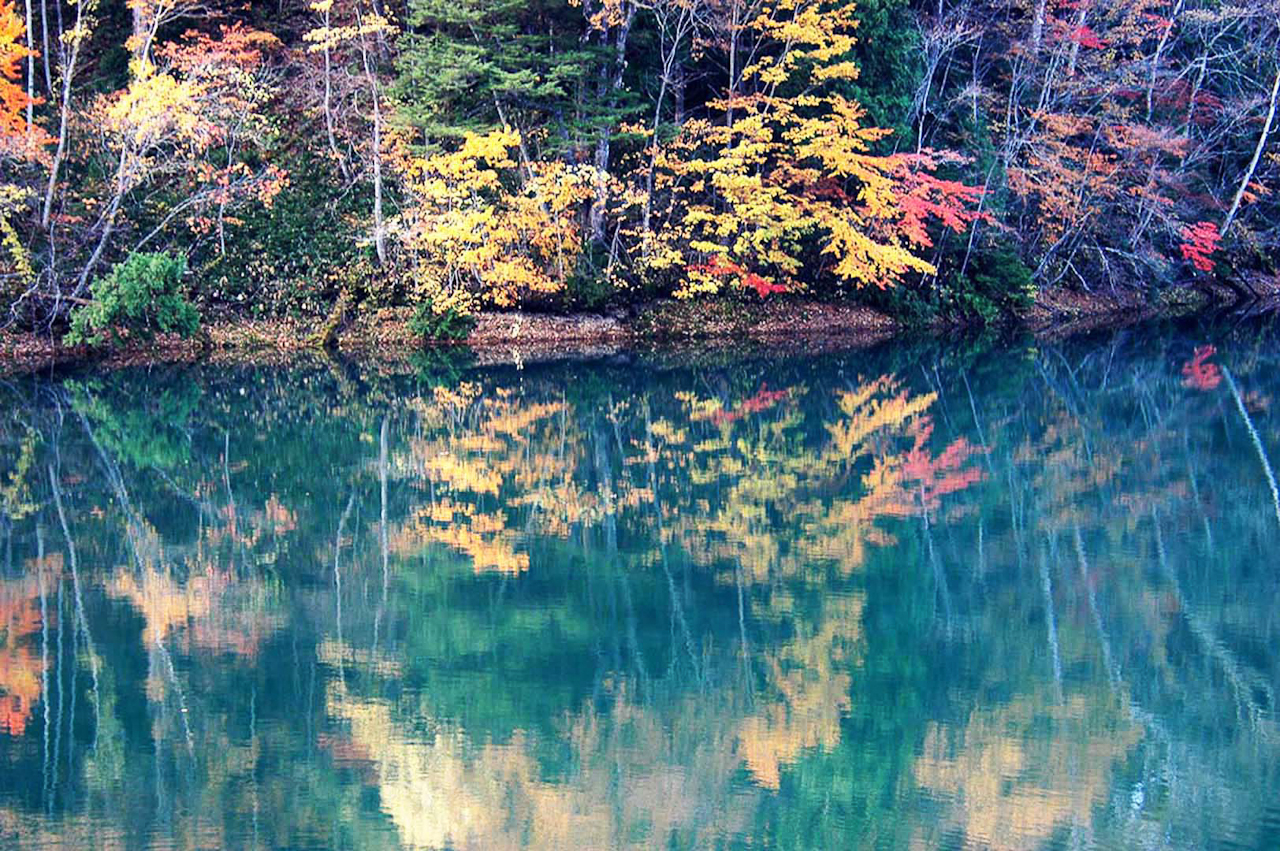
column 231, row 72
column 481, row 224
column 790, row 166
column 182, row 100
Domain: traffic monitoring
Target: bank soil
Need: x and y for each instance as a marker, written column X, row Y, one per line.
column 504, row 337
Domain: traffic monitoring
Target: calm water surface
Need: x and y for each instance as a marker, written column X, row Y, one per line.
column 1014, row 598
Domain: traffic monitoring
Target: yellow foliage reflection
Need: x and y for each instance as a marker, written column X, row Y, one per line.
column 1008, row 788
column 731, row 485
column 443, row 789
column 812, row 679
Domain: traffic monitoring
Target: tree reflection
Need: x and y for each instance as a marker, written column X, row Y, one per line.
column 874, row 599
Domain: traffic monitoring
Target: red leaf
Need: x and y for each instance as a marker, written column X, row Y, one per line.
column 1201, row 240
column 1198, row 374
column 761, row 401
column 1086, row 37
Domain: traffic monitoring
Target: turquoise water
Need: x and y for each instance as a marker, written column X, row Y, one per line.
column 1017, row 597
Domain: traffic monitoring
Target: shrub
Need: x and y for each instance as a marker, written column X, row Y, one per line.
column 448, row 325
column 141, row 296
column 995, row 288
column 589, row 287
column 445, row 313
column 1001, row 278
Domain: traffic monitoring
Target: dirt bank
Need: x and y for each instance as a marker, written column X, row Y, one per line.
column 498, row 336
column 787, row 324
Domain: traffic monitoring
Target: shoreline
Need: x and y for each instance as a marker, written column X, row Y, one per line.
column 781, row 324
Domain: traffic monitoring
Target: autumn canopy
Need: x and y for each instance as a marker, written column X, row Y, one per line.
column 938, row 159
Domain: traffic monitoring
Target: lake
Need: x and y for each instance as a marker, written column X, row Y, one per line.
column 1014, row 596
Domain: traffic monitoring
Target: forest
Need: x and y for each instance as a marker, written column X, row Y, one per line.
column 164, row 161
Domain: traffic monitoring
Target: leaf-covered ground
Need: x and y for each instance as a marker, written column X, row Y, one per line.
column 794, row 324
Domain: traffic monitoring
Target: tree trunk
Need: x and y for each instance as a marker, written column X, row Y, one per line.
column 108, row 225
column 379, row 231
column 1037, row 26
column 601, row 162
column 1081, row 16
column 64, row 116
column 653, row 150
column 1257, row 155
column 596, row 215
column 678, row 84
column 44, row 35
column 733, row 62
column 1155, row 60
column 31, row 72
column 328, row 98
column 379, row 237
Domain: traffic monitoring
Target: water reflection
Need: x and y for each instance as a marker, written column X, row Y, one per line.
column 1017, row 599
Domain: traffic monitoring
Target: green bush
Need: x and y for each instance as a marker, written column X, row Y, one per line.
column 588, row 287
column 449, row 325
column 1002, row 279
column 997, row 287
column 141, row 296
